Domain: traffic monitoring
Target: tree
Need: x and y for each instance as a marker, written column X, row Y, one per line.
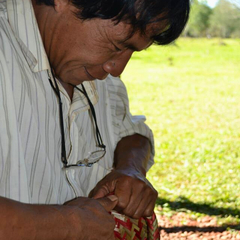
column 199, row 19
column 225, row 19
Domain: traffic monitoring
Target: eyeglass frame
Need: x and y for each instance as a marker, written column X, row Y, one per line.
column 98, row 134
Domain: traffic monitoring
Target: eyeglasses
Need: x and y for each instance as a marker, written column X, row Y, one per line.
column 92, row 157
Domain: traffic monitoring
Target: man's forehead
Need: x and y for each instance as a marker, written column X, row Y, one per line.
column 137, row 42
column 155, row 27
column 129, row 35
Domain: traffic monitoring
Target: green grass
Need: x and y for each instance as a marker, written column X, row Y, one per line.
column 190, row 93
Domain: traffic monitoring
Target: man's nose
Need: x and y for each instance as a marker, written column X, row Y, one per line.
column 116, row 65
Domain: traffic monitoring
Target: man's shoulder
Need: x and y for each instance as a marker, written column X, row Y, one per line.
column 11, row 47
column 113, row 85
column 115, row 82
column 8, row 45
column 3, row 9
column 7, row 38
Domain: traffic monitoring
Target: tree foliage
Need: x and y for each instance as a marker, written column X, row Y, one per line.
column 221, row 21
column 199, row 19
column 225, row 20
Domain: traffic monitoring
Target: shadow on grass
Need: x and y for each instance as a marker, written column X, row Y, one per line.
column 183, row 204
column 200, row 229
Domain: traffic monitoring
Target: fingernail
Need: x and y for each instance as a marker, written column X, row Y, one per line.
column 112, row 198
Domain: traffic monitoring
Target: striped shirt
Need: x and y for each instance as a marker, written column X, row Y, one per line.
column 30, row 137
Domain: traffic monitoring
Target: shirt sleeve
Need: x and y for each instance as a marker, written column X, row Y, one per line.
column 126, row 122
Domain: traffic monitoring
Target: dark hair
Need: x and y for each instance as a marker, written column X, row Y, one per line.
column 138, row 13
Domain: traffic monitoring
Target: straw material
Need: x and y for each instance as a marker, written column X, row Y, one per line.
column 135, row 229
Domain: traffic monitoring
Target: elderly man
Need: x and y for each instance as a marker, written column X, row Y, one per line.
column 70, row 151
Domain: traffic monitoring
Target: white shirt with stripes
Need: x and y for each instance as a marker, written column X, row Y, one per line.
column 30, row 138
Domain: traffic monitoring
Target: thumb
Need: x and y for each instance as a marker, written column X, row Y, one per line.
column 108, row 202
column 99, row 193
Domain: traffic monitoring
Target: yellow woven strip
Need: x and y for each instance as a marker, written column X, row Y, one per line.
column 153, row 230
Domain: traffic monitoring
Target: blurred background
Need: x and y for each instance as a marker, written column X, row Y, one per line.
column 190, row 93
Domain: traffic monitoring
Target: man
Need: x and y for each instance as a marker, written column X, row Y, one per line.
column 70, row 149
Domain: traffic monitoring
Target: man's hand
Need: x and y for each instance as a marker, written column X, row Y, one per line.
column 79, row 219
column 136, row 196
column 95, row 221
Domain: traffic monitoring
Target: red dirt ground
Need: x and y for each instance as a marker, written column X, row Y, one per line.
column 182, row 227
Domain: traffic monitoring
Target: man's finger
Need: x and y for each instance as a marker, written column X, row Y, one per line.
column 99, row 193
column 108, row 202
column 123, row 190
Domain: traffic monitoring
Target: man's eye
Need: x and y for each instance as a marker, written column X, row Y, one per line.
column 117, row 49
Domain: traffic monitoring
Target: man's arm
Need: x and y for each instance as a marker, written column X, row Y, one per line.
column 136, row 195
column 74, row 220
column 132, row 153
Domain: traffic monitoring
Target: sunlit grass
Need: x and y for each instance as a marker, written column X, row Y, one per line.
column 190, row 93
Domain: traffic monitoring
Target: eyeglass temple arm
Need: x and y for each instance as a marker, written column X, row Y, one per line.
column 57, row 92
column 98, row 135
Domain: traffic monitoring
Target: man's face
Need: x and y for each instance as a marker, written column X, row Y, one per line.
column 91, row 49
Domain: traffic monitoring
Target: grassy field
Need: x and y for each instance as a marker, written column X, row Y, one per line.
column 190, row 93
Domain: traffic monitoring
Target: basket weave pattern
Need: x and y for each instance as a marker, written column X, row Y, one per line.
column 135, row 229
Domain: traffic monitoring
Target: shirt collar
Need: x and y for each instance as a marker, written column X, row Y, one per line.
column 23, row 22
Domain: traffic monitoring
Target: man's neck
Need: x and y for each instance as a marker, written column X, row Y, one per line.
column 69, row 89
column 47, row 23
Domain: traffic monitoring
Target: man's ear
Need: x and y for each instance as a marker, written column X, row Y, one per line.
column 60, row 5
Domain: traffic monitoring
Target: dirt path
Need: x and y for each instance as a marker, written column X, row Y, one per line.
column 182, row 227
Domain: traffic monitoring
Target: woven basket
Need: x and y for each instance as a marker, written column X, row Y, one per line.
column 135, row 229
